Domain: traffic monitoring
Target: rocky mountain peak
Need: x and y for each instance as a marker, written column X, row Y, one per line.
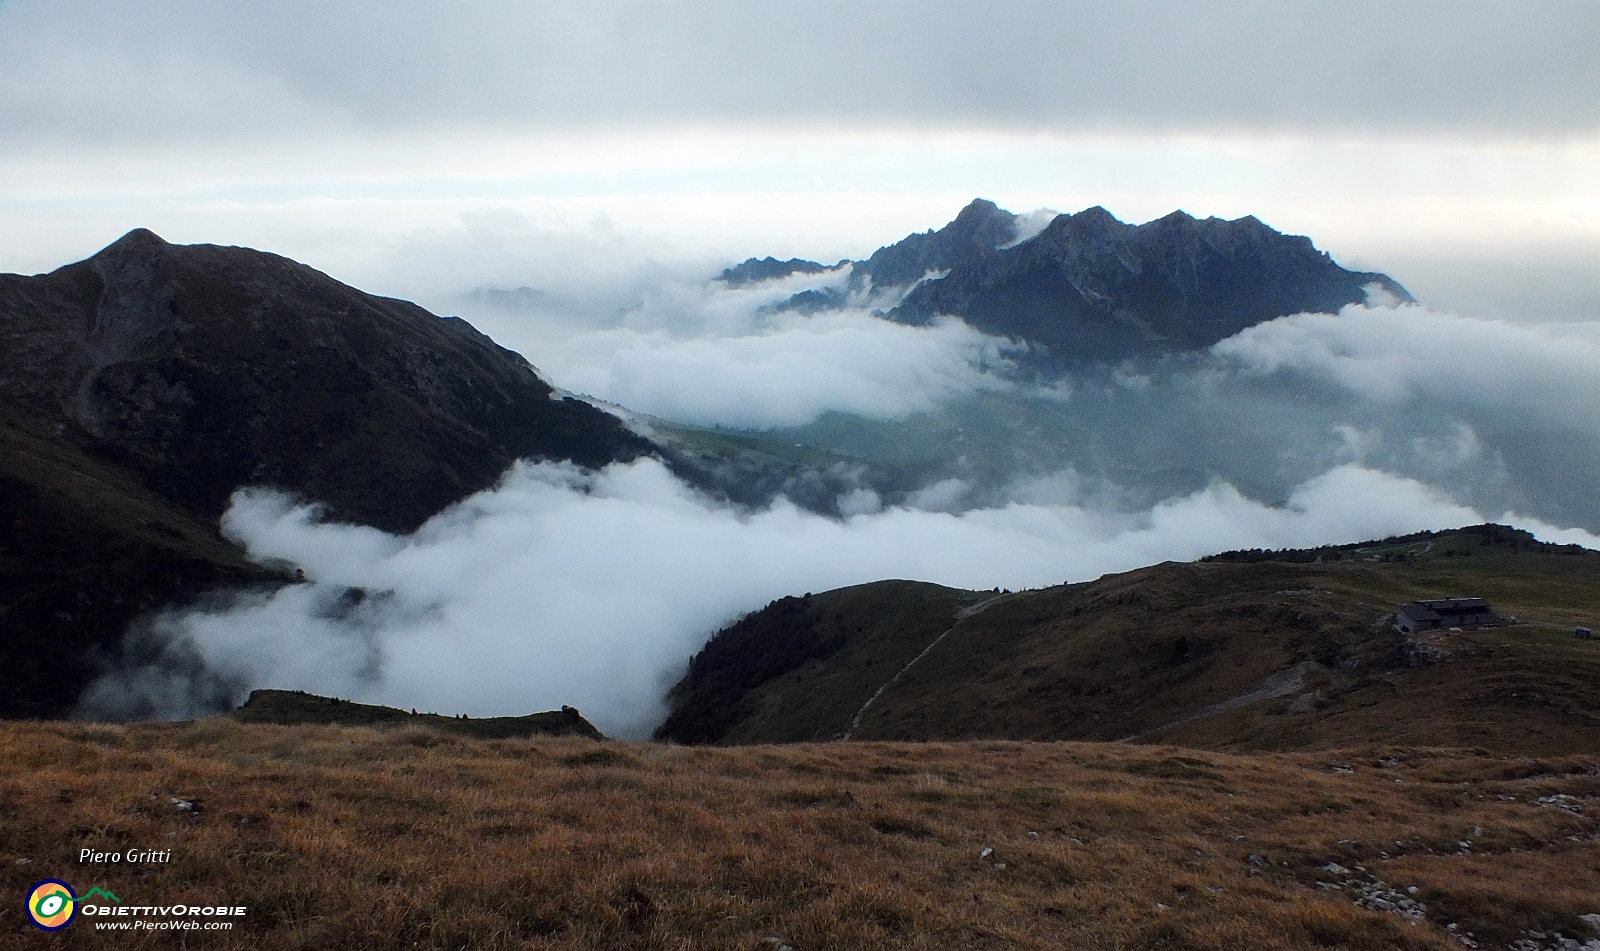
column 1096, row 217
column 205, row 368
column 131, row 259
column 139, row 239
column 981, row 218
column 976, row 233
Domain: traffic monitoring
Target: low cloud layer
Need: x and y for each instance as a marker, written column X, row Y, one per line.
column 796, row 370
column 1399, row 355
column 1496, row 415
column 1491, row 411
column 708, row 354
column 593, row 589
column 1499, row 414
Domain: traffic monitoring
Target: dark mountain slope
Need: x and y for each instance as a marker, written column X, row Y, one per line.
column 848, row 638
column 84, row 549
column 205, row 368
column 1092, row 288
column 140, row 388
column 1254, row 651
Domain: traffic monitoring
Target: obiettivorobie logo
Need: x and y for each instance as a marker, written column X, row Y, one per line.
column 52, row 905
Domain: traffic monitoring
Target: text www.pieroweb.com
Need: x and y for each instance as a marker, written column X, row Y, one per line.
column 173, row 925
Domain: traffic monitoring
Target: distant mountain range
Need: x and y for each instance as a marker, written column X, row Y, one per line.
column 140, row 388
column 1088, row 287
column 1247, row 650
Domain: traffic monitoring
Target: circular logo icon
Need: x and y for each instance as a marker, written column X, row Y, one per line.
column 51, row 904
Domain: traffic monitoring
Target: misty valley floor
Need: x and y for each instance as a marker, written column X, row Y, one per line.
column 337, row 837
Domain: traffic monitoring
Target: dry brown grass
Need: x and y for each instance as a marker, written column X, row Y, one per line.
column 356, row 838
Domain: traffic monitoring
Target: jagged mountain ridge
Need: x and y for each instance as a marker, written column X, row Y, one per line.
column 1089, row 287
column 141, row 387
column 755, row 270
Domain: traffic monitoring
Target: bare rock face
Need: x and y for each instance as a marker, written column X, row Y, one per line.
column 205, row 368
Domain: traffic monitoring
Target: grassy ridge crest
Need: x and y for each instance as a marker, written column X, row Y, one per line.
column 1244, row 650
column 298, row 708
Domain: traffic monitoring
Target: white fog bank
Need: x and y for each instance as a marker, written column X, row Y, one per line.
column 563, row 586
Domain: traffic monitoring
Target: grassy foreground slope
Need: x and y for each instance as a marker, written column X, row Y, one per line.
column 342, row 837
column 1252, row 650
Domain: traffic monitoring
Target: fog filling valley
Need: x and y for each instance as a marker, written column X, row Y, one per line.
column 931, row 453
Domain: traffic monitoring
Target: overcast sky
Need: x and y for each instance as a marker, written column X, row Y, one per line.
column 1461, row 137
column 95, row 69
